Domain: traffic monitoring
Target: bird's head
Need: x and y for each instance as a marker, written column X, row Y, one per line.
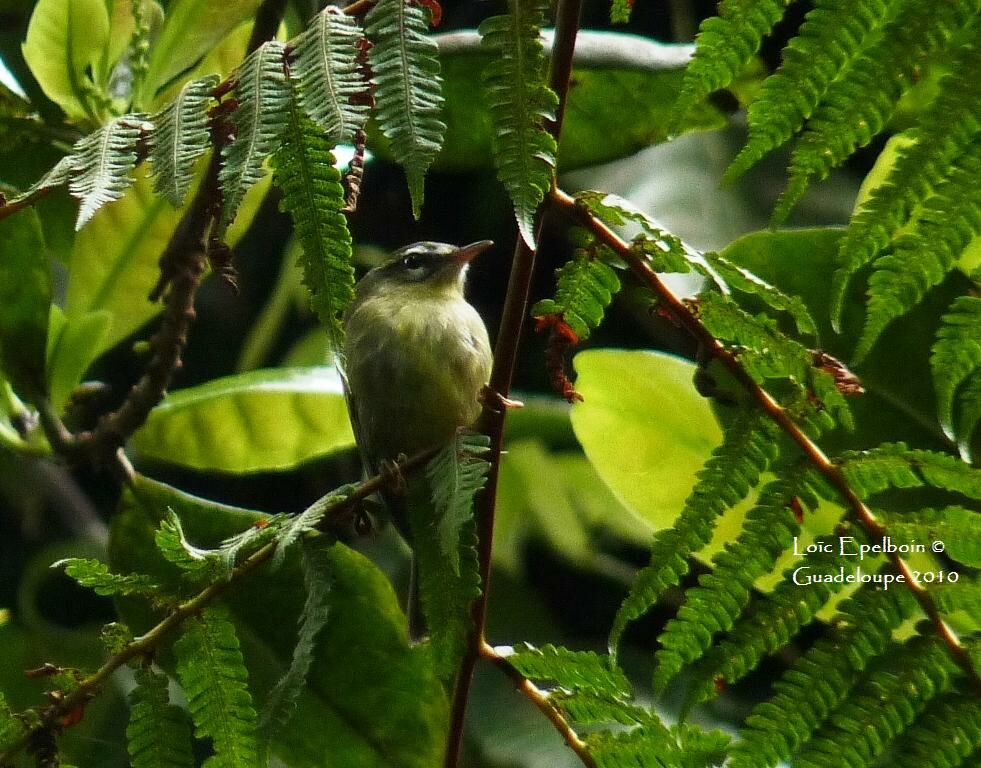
column 426, row 266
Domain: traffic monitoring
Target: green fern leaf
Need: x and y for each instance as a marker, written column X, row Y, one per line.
column 722, row 595
column 314, row 197
column 103, row 161
column 198, row 565
column 159, row 733
column 259, row 120
column 96, row 576
column 633, row 748
column 833, row 34
column 58, row 175
column 956, row 358
column 946, row 736
column 297, row 526
column 325, row 66
column 893, row 465
column 585, row 286
column 724, row 46
column 819, row 680
column 733, row 470
column 235, row 549
column 182, row 135
column 11, row 728
column 620, row 11
column 857, row 107
column 282, row 699
column 882, row 707
column 948, row 126
column 922, row 259
column 455, row 475
column 956, row 528
column 520, row 102
column 580, row 671
column 962, row 595
column 212, row 672
column 408, row 98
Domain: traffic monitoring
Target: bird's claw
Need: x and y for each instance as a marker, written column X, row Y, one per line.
column 392, row 472
column 496, row 401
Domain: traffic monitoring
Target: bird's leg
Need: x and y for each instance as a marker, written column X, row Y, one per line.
column 392, row 472
column 496, row 401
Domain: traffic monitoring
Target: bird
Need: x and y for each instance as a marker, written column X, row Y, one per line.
column 417, row 358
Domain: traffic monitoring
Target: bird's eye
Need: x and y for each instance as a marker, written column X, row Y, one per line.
column 412, row 262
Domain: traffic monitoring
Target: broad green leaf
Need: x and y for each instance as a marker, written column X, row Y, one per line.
column 625, row 88
column 190, row 31
column 64, row 39
column 25, row 300
column 72, row 346
column 371, row 699
column 253, row 422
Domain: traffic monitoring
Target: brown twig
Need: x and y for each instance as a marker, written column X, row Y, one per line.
column 682, row 315
column 335, row 519
column 540, row 699
column 505, row 356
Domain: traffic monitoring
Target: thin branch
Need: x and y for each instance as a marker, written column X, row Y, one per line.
column 686, row 319
column 505, row 356
column 336, row 517
column 542, row 700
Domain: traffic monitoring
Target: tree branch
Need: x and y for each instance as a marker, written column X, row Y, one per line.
column 505, row 356
column 684, row 317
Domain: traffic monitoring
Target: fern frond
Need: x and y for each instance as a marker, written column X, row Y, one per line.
column 733, row 469
column 103, row 161
column 198, row 565
column 945, row 736
column 580, row 671
column 922, row 259
column 159, row 733
column 956, row 359
column 455, row 475
column 408, row 94
column 282, row 699
column 58, row 175
column 724, row 46
column 833, row 34
column 259, row 120
column 181, row 137
column 324, row 64
column 297, row 526
column 585, row 286
column 520, row 102
column 11, row 728
column 239, row 546
column 314, row 197
column 820, row 679
column 633, row 748
column 96, row 576
column 722, row 595
column 882, row 707
column 958, row 529
column 857, row 107
column 963, row 595
column 213, row 675
column 948, row 125
column 893, row 465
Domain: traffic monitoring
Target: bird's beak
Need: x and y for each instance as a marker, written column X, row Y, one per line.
column 468, row 253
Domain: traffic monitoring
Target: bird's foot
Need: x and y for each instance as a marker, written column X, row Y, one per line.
column 496, row 401
column 392, row 472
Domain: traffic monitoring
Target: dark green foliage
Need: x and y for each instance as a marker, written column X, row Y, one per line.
column 455, row 475
column 956, row 363
column 728, row 476
column 821, row 679
column 405, row 72
column 159, row 733
column 282, row 699
column 213, row 675
column 10, row 727
column 313, row 196
column 180, row 138
column 722, row 595
column 259, row 121
column 520, row 104
column 96, row 576
column 620, row 11
column 946, row 736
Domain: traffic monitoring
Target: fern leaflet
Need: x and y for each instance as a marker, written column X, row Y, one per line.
column 580, row 671
column 212, row 672
column 946, row 736
column 956, row 528
column 103, row 161
column 406, row 76
column 159, row 733
column 313, row 196
column 731, row 472
column 325, row 66
column 893, row 465
column 956, row 359
column 181, row 137
column 297, row 526
column 259, row 120
column 947, row 127
column 520, row 102
column 198, row 565
column 96, row 576
column 282, row 699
